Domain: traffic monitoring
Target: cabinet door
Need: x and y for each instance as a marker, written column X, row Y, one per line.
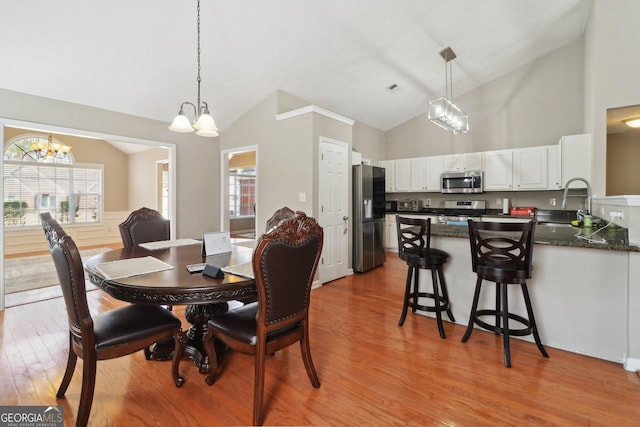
column 419, row 174
column 530, row 168
column 463, row 162
column 498, row 170
column 389, row 175
column 434, row 170
column 554, row 173
column 453, row 163
column 391, row 237
column 576, row 159
column 403, row 175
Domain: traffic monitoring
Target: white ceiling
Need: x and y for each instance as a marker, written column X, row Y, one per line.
column 139, row 57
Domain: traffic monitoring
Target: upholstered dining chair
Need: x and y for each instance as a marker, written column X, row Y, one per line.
column 279, row 216
column 284, row 264
column 142, row 226
column 107, row 335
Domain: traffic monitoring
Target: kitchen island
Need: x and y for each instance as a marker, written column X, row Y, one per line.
column 582, row 292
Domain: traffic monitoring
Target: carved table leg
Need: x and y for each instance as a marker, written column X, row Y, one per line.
column 198, row 316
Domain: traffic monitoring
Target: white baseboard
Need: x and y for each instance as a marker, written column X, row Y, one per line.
column 632, row 364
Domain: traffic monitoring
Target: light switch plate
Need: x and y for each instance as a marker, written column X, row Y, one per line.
column 302, row 197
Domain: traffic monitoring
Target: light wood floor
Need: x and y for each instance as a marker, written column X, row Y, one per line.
column 372, row 372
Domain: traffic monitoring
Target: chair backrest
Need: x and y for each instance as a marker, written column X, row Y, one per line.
column 279, row 216
column 69, row 267
column 52, row 230
column 414, row 236
column 284, row 264
column 142, row 226
column 502, row 250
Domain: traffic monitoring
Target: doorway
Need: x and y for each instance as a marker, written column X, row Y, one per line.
column 239, row 193
column 132, row 143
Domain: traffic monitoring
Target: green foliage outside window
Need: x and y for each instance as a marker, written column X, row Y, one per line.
column 14, row 212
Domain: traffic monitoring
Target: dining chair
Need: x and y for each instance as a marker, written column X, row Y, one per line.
column 502, row 252
column 107, row 335
column 279, row 216
column 284, row 262
column 142, row 226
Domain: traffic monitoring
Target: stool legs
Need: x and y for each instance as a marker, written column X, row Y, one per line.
column 441, row 302
column 502, row 317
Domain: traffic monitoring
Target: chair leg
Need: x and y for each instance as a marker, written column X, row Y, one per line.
column 258, row 386
column 179, row 337
column 210, row 348
column 498, row 321
column 407, row 292
column 305, row 349
column 88, row 386
column 445, row 294
column 474, row 308
column 505, row 325
column 68, row 373
column 416, row 288
column 436, row 300
column 532, row 320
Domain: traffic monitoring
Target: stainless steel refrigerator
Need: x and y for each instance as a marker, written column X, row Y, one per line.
column 368, row 217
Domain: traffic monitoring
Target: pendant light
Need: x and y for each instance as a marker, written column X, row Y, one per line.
column 443, row 111
column 204, row 124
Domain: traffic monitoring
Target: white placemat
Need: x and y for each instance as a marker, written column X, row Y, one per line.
column 244, row 270
column 163, row 244
column 131, row 267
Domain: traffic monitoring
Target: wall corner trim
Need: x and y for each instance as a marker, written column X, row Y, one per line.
column 315, row 109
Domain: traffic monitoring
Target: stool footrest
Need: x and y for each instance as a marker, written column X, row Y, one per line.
column 527, row 330
column 442, row 303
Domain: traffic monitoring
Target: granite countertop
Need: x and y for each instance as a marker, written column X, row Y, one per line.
column 613, row 238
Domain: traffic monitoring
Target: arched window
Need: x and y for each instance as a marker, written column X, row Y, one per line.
column 40, row 176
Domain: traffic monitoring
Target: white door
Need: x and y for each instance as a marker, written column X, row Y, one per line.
column 334, row 209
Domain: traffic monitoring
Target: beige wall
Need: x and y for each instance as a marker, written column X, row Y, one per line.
column 197, row 159
column 623, row 155
column 532, row 105
column 143, row 178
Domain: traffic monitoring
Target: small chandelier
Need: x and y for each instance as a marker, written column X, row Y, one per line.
column 442, row 111
column 49, row 151
column 203, row 124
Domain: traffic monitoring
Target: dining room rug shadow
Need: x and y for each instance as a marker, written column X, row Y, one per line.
column 37, row 271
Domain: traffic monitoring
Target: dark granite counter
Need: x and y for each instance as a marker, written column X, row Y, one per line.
column 558, row 233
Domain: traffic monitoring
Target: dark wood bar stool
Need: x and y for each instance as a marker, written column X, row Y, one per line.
column 503, row 253
column 414, row 247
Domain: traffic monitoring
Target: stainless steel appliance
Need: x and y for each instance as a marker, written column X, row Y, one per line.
column 390, row 205
column 368, row 217
column 409, row 205
column 457, row 212
column 462, row 182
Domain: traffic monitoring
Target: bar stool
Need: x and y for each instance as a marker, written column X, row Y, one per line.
column 414, row 247
column 503, row 253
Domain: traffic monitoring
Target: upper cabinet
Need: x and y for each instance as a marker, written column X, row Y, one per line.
column 575, row 154
column 462, row 162
column 425, row 173
column 498, row 170
column 554, row 171
column 397, row 175
column 389, row 175
column 530, row 168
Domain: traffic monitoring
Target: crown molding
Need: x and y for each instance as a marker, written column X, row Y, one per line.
column 315, row 109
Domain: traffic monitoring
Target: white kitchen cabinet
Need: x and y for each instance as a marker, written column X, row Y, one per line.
column 425, row 173
column 576, row 159
column 554, row 171
column 391, row 235
column 498, row 170
column 389, row 175
column 403, row 175
column 463, row 162
column 530, row 168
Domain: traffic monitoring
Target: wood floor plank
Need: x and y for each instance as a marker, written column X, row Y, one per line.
column 372, row 372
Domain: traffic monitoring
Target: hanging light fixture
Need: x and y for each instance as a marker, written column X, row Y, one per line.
column 47, row 151
column 443, row 111
column 204, row 124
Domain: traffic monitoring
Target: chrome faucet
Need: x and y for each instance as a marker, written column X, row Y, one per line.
column 587, row 204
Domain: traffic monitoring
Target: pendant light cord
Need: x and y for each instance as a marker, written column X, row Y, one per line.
column 198, row 112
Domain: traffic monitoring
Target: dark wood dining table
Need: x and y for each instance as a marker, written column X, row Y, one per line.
column 204, row 296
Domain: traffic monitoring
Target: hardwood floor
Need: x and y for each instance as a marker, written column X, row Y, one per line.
column 371, row 371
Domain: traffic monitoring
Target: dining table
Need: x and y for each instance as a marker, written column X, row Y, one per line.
column 158, row 275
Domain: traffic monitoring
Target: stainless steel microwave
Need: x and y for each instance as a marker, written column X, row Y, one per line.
column 462, row 182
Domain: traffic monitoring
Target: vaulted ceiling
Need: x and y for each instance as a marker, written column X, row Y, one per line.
column 139, row 57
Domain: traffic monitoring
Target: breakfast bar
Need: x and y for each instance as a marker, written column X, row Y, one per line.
column 580, row 289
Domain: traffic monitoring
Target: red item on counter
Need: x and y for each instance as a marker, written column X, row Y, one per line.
column 519, row 211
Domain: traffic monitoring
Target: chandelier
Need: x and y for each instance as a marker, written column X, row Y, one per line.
column 442, row 111
column 203, row 122
column 47, row 151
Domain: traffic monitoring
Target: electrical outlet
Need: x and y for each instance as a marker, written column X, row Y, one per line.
column 499, row 201
column 615, row 214
column 428, row 202
column 552, row 201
